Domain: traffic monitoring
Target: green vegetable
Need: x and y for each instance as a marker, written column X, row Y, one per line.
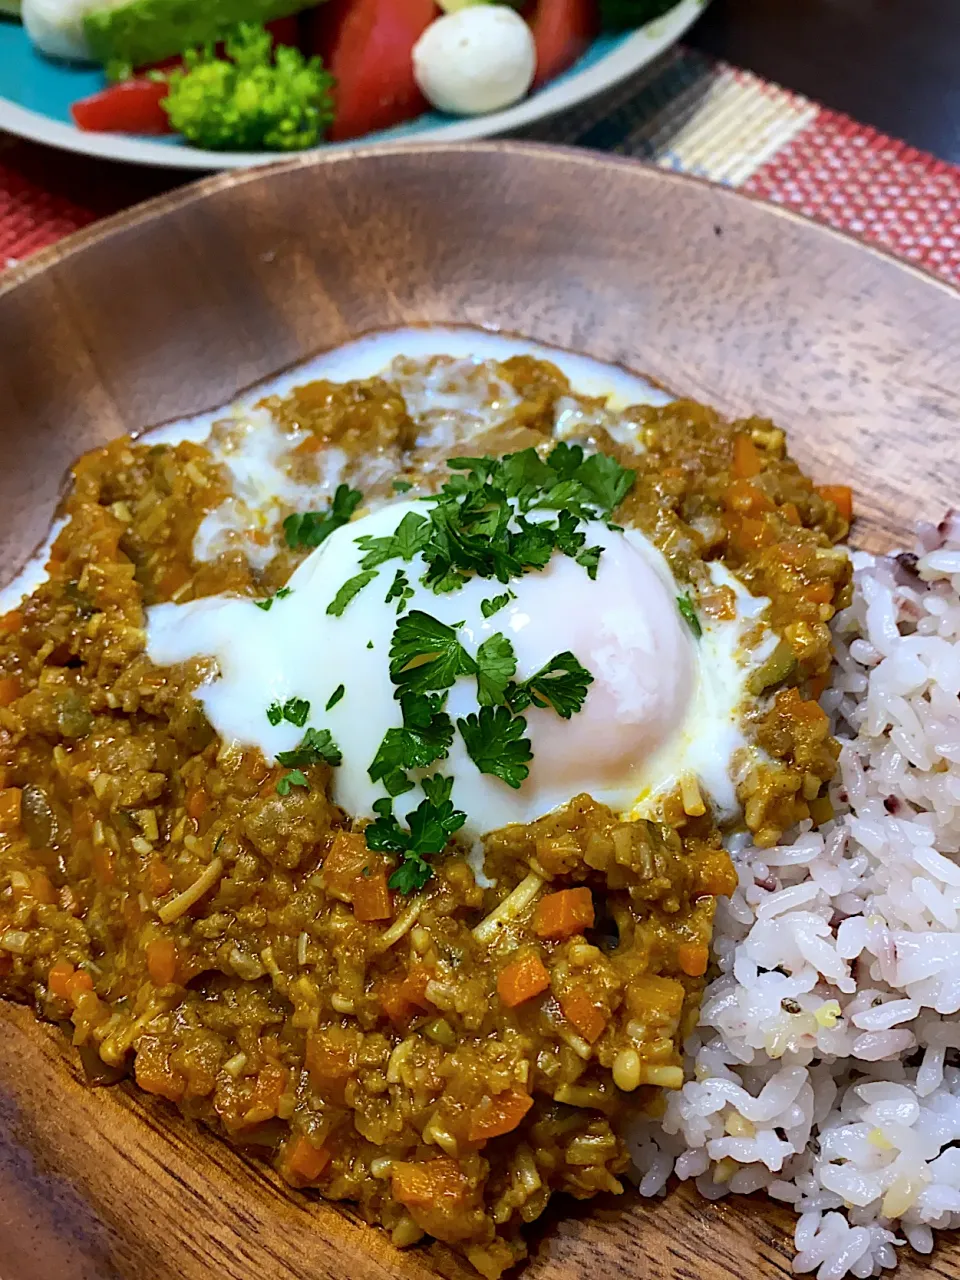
column 316, row 747
column 425, row 737
column 425, row 654
column 254, row 99
column 335, row 697
column 622, row 15
column 353, row 586
column 267, row 605
column 496, row 664
column 495, row 743
column 292, row 779
column 430, row 827
column 141, row 32
column 310, row 528
column 685, row 605
column 561, row 684
column 400, row 590
column 296, row 710
column 489, row 607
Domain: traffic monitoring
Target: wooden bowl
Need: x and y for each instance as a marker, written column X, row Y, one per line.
column 173, row 307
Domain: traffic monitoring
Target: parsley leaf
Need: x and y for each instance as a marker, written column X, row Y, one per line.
column 426, row 655
column 496, row 745
column 430, row 827
column 402, row 486
column 274, row 713
column 350, row 588
column 267, row 605
column 489, row 607
column 561, row 684
column 425, row 737
column 496, row 664
column 310, row 528
column 316, row 747
column 590, row 559
column 297, row 711
column 685, row 605
column 335, row 697
column 292, row 779
column 400, row 590
column 410, row 536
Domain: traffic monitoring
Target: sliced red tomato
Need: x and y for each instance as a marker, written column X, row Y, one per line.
column 133, row 106
column 563, row 31
column 367, row 45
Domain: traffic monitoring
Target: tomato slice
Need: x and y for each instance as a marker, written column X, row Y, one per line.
column 367, row 45
column 563, row 31
column 133, row 106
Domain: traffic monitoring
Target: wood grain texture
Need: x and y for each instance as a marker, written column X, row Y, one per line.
column 171, row 309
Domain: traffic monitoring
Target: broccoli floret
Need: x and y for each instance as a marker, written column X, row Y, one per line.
column 254, row 99
column 622, row 15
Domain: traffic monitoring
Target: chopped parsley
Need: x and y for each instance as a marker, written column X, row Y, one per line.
column 496, row 745
column 426, row 736
column 292, row 779
column 428, row 831
column 335, row 697
column 267, row 605
column 369, row 644
column 353, row 586
column 425, row 654
column 402, row 486
column 400, row 590
column 561, row 684
column 496, row 664
column 296, row 710
column 410, row 536
column 316, row 747
column 685, row 605
column 310, row 528
column 489, row 607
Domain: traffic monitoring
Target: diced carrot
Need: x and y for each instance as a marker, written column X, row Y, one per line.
column 41, row 887
column 818, row 684
column 271, row 1083
column 561, row 915
column 309, row 444
column 746, row 498
column 345, row 862
column 841, row 495
column 422, row 1185
column 103, row 861
column 522, row 979
column 498, row 1115
column 746, row 459
column 579, row 1009
column 415, row 985
column 58, row 979
column 327, row 1061
column 162, row 960
column 389, row 991
column 303, row 1162
column 197, row 801
column 159, row 878
column 371, row 897
column 9, row 690
column 692, row 959
column 717, row 875
column 10, row 801
column 11, row 622
column 790, row 513
column 752, row 533
column 77, row 984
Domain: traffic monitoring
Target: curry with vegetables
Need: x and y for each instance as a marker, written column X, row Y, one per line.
column 444, row 1039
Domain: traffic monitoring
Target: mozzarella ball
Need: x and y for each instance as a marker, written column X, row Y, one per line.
column 56, row 27
column 476, row 60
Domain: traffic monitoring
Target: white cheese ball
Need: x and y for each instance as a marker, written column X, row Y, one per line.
column 476, row 60
column 56, row 27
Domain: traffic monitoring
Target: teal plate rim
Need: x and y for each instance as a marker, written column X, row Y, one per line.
column 35, row 96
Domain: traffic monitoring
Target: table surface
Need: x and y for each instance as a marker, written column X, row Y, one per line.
column 892, row 64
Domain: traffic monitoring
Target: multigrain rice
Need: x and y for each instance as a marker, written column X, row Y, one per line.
column 824, row 1069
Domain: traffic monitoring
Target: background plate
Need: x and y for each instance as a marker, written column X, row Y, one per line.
column 36, row 93
column 171, row 309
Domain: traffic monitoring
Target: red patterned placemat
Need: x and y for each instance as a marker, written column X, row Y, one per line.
column 685, row 113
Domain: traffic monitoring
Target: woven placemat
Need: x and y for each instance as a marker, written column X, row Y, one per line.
column 685, row 112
